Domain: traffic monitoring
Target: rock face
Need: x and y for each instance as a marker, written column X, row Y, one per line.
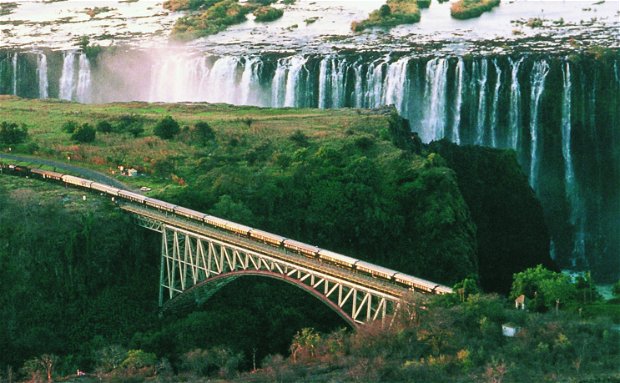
column 511, row 230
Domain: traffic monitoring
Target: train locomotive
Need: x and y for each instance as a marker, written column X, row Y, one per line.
column 271, row 239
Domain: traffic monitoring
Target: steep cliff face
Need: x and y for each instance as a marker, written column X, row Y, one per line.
column 558, row 112
column 511, row 230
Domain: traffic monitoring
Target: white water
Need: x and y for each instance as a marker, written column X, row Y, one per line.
column 494, row 111
column 15, row 73
column 338, row 72
column 42, row 75
column 278, row 84
column 250, row 81
column 396, row 84
column 66, row 78
column 433, row 125
column 458, row 101
column 482, row 101
column 296, row 65
column 539, row 75
column 374, row 83
column 84, row 81
column 514, row 114
column 359, row 90
column 323, row 82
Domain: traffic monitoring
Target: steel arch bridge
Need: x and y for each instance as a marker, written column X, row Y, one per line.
column 197, row 260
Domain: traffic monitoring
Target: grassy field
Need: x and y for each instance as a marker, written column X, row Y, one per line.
column 239, row 129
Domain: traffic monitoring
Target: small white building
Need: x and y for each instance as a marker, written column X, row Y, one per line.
column 132, row 172
column 510, row 329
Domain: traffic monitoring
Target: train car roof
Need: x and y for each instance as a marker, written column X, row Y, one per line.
column 333, row 254
column 378, row 268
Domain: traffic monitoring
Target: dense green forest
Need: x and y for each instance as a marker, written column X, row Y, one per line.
column 81, row 279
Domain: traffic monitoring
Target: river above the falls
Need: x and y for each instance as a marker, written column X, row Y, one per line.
column 307, row 26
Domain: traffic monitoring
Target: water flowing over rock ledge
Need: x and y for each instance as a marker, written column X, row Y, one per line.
column 559, row 112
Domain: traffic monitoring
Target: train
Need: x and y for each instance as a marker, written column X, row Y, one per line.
column 289, row 245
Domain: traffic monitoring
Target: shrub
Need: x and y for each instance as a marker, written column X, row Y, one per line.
column 203, row 132
column 467, row 9
column 104, row 127
column 69, row 126
column 84, row 133
column 11, row 134
column 265, row 14
column 166, row 128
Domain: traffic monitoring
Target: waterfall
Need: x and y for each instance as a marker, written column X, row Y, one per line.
column 293, row 80
column 539, row 75
column 396, row 84
column 42, row 75
column 572, row 192
column 66, row 78
column 433, row 125
column 222, row 81
column 358, row 93
column 250, row 80
column 14, row 62
column 84, row 81
column 458, row 101
column 374, row 83
column 514, row 113
column 482, row 102
column 278, row 84
column 338, row 72
column 323, row 82
column 498, row 84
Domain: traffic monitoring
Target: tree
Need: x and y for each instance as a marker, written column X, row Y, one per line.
column 544, row 288
column 11, row 134
column 166, row 128
column 203, row 133
column 85, row 133
column 69, row 126
column 104, row 126
column 35, row 366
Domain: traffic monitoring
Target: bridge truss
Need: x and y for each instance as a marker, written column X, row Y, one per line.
column 201, row 263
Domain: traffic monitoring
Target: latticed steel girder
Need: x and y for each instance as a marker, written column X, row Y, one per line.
column 190, row 260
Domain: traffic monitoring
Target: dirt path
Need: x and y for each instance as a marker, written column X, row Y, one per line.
column 60, row 166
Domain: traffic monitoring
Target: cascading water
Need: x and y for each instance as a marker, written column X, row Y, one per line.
column 396, row 84
column 15, row 74
column 494, row 111
column 42, row 75
column 487, row 100
column 84, row 80
column 570, row 184
column 323, row 68
column 278, row 84
column 458, row 101
column 482, row 102
column 374, row 83
column 435, row 100
column 539, row 75
column 293, row 78
column 66, row 78
column 514, row 114
column 250, row 80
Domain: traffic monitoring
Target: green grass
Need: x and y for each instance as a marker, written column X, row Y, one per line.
column 44, row 119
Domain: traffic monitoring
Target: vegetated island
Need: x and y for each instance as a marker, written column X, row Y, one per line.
column 467, row 9
column 392, row 13
column 208, row 17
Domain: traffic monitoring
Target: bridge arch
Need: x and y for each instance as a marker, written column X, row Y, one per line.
column 214, row 284
column 190, row 259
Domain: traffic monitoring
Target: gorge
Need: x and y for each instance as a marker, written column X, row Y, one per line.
column 558, row 111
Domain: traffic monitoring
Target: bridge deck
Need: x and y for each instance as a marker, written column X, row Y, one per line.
column 389, row 289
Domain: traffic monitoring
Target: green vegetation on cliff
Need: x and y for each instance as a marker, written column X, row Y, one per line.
column 392, row 13
column 467, row 9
